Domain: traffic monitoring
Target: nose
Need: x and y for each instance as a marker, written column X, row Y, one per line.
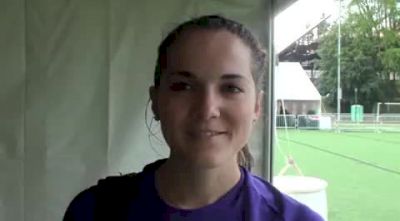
column 207, row 105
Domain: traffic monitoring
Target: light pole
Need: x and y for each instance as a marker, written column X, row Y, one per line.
column 339, row 89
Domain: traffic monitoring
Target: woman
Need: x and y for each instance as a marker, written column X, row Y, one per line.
column 207, row 96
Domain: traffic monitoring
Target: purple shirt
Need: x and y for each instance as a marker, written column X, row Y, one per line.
column 149, row 205
column 251, row 199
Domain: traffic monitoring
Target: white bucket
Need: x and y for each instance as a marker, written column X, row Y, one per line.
column 310, row 191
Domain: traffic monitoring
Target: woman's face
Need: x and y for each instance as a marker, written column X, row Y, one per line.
column 207, row 100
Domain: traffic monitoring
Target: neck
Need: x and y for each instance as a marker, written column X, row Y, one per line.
column 189, row 187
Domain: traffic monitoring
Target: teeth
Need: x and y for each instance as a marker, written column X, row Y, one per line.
column 210, row 133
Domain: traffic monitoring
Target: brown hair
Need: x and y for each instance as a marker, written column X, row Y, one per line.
column 216, row 22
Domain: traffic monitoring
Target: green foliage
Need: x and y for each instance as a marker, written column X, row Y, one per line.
column 391, row 59
column 370, row 54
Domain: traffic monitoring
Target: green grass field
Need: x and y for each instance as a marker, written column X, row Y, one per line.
column 362, row 170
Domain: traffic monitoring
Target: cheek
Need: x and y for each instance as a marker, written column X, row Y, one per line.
column 171, row 124
column 167, row 105
column 172, row 115
column 241, row 118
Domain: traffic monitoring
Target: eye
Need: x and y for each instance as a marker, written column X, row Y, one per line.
column 180, row 86
column 230, row 88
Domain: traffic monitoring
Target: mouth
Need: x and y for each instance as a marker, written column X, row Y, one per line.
column 211, row 133
column 207, row 133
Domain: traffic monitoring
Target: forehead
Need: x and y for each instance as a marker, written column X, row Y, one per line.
column 209, row 52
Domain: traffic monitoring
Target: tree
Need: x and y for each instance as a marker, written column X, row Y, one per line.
column 370, row 55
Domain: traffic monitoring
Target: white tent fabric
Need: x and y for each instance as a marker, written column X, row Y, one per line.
column 288, row 30
column 292, row 83
column 73, row 91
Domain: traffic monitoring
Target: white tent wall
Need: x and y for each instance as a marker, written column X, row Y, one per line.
column 74, row 79
column 12, row 84
column 295, row 90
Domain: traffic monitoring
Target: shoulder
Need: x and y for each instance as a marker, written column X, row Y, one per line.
column 116, row 189
column 109, row 189
column 119, row 190
column 284, row 207
column 82, row 206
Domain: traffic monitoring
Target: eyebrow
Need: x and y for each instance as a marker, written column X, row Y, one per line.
column 185, row 74
column 232, row 76
column 190, row 75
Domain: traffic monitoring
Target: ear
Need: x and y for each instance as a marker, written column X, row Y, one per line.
column 258, row 107
column 153, row 91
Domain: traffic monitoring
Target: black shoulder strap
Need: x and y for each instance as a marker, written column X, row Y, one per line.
column 113, row 195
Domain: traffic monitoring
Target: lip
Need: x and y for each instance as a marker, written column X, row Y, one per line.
column 211, row 132
column 207, row 133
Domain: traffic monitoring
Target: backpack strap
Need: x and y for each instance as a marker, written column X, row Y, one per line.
column 114, row 194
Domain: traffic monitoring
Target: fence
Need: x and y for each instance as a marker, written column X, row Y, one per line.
column 286, row 121
column 329, row 121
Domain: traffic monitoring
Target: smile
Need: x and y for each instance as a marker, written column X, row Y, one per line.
column 209, row 133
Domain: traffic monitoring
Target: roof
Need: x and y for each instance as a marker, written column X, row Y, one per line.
column 292, row 83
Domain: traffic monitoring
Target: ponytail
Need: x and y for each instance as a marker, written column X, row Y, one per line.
column 245, row 159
